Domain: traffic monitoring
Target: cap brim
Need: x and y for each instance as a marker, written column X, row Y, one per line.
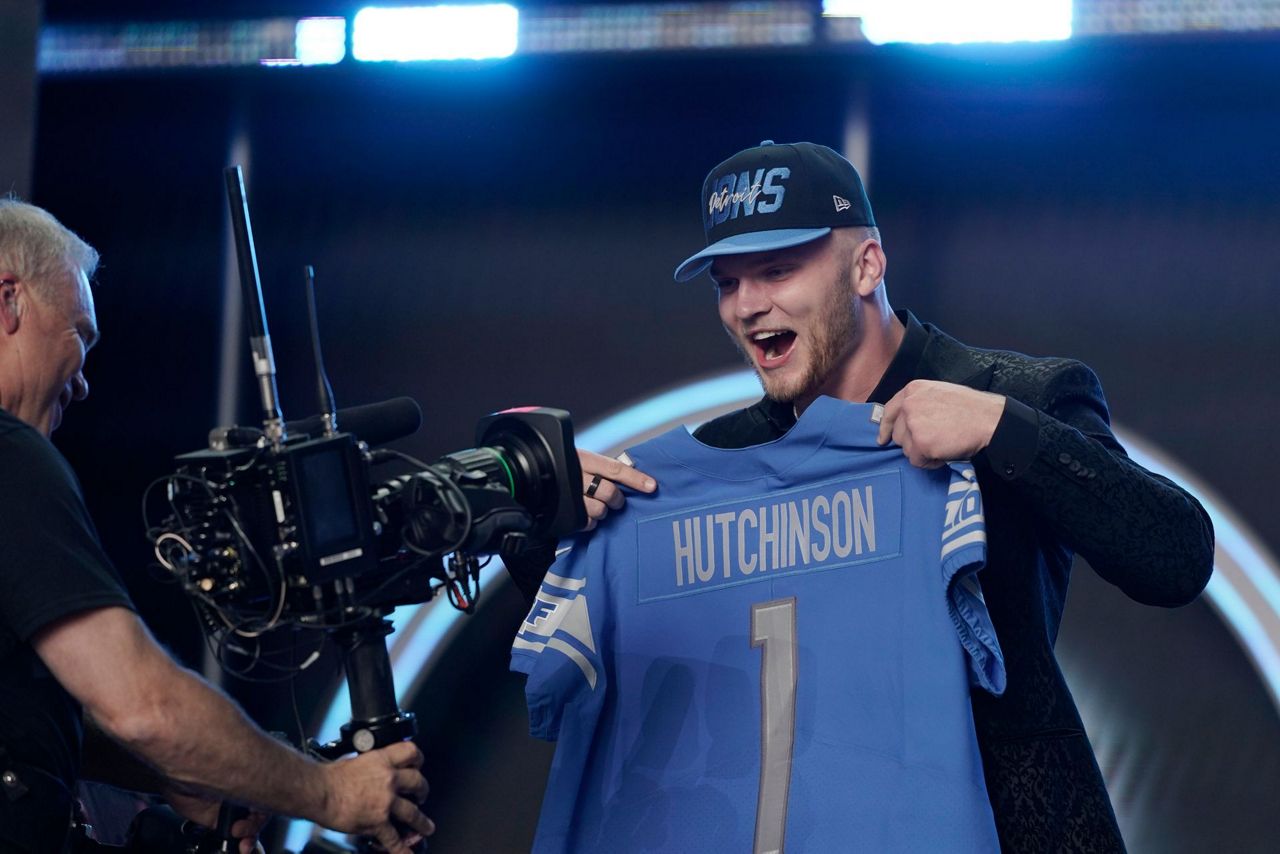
column 741, row 244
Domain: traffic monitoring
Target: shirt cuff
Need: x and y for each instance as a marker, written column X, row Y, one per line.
column 1015, row 441
column 528, row 567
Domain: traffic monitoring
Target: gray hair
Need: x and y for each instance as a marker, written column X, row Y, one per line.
column 39, row 249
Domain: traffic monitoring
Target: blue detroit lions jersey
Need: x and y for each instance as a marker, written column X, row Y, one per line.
column 771, row 653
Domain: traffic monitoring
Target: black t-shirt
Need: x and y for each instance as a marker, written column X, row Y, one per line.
column 51, row 566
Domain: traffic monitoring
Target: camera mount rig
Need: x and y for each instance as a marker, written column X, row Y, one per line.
column 286, row 525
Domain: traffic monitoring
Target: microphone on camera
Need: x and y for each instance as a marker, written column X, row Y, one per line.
column 374, row 423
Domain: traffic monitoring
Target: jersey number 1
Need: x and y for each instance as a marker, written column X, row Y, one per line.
column 773, row 628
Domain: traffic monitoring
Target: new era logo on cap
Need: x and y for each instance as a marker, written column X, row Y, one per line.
column 774, row 196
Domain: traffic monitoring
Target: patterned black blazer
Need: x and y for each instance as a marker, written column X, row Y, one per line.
column 1055, row 482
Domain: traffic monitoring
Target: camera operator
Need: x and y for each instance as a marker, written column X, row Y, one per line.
column 79, row 672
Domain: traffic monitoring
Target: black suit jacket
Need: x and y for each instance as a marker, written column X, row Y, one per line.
column 1055, row 482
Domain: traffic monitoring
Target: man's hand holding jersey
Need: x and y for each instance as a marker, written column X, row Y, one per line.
column 602, row 478
column 935, row 422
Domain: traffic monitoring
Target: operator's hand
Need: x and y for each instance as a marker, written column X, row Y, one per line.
column 936, row 422
column 366, row 793
column 203, row 810
column 601, row 477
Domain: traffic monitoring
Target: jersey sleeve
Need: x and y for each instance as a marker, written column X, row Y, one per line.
column 964, row 552
column 558, row 646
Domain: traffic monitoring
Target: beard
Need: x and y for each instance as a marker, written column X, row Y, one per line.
column 831, row 336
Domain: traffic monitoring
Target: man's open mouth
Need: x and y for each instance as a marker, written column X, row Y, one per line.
column 772, row 345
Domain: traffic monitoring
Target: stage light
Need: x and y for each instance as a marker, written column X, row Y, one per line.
column 408, row 33
column 944, row 21
column 320, row 41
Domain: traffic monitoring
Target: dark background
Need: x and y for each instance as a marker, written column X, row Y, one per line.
column 494, row 234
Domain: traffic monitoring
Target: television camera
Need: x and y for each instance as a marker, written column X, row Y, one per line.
column 288, row 524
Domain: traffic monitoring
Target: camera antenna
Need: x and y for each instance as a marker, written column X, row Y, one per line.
column 328, row 408
column 264, row 364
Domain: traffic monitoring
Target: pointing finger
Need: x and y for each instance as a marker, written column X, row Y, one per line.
column 616, row 471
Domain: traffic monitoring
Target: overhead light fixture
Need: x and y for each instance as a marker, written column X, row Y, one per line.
column 320, row 41
column 411, row 33
column 945, row 21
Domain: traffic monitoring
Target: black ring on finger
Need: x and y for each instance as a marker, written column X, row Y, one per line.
column 593, row 486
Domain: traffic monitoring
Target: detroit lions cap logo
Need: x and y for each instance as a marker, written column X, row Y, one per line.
column 746, row 194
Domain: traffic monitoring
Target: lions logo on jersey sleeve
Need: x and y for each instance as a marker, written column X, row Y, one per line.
column 559, row 620
column 964, row 525
column 964, row 552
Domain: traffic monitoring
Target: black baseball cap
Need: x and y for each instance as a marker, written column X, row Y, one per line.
column 773, row 196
